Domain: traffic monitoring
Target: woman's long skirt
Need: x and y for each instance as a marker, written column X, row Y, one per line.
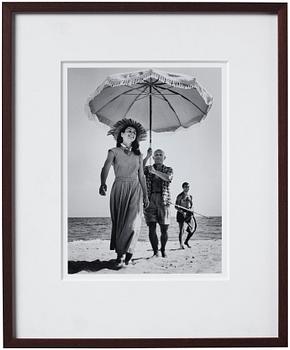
column 126, row 211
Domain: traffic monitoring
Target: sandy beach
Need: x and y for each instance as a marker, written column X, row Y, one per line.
column 94, row 256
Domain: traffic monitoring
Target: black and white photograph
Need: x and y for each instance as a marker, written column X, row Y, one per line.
column 143, row 168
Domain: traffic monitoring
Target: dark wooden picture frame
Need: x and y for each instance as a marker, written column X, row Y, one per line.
column 8, row 35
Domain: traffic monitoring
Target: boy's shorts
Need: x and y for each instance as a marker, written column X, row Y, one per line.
column 157, row 211
column 185, row 218
column 180, row 217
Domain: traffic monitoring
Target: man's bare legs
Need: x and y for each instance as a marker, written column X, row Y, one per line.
column 153, row 237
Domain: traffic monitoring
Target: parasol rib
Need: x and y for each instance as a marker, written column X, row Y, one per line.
column 150, row 81
column 169, row 104
column 184, row 97
column 115, row 98
column 141, row 98
column 135, row 99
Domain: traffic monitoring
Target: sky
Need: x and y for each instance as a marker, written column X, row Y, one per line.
column 195, row 154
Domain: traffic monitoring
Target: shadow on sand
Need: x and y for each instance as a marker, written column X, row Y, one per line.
column 97, row 265
column 91, row 266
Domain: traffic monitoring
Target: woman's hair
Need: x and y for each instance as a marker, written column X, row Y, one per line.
column 134, row 145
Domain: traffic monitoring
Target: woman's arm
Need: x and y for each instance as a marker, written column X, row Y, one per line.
column 105, row 172
column 143, row 183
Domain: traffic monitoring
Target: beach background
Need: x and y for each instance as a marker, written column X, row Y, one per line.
column 89, row 242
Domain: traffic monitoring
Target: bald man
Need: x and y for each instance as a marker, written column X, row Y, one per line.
column 158, row 178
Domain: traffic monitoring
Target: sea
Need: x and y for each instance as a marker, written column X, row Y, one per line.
column 90, row 228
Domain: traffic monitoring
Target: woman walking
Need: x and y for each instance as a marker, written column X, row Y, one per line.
column 128, row 187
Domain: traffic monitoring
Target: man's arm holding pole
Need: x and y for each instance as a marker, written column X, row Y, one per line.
column 148, row 155
column 163, row 176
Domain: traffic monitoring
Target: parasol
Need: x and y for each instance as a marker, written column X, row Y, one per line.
column 160, row 101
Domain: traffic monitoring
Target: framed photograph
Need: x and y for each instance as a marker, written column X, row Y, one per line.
column 145, row 174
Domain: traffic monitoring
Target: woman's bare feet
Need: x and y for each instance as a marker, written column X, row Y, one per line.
column 119, row 260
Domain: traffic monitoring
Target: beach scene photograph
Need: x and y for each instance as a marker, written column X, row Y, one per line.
column 144, row 169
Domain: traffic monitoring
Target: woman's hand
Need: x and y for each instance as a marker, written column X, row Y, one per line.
column 103, row 190
column 146, row 202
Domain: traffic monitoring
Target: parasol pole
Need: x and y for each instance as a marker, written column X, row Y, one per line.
column 150, row 115
column 150, row 118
